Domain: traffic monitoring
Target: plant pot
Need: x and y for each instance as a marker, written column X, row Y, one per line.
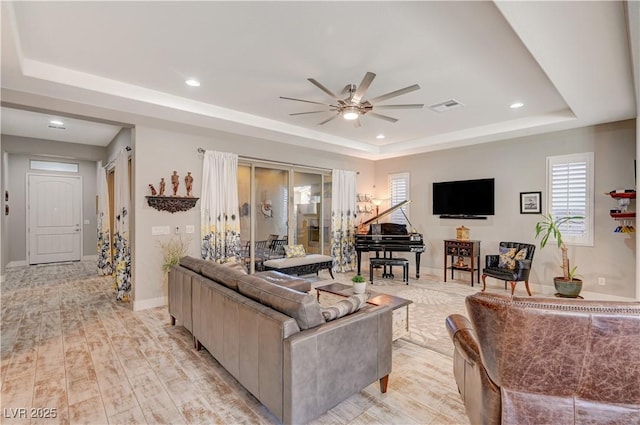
column 359, row 287
column 567, row 288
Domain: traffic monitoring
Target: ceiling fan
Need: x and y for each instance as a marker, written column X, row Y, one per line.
column 353, row 106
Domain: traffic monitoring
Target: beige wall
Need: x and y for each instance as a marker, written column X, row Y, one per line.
column 518, row 165
column 158, row 152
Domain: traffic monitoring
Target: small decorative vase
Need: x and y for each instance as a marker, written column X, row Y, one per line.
column 359, row 287
column 567, row 288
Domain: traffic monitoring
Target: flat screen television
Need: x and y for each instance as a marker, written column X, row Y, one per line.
column 464, row 198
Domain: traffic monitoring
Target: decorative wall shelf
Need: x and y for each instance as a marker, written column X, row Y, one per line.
column 623, row 214
column 171, row 203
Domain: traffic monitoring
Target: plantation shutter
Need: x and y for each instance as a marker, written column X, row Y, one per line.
column 398, row 192
column 570, row 183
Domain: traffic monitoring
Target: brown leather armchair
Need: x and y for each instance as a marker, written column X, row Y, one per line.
column 518, row 273
column 547, row 360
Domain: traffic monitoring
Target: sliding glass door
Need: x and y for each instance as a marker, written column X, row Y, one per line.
column 280, row 202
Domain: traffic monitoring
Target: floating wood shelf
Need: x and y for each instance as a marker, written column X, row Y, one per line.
column 630, row 195
column 631, row 214
column 171, row 203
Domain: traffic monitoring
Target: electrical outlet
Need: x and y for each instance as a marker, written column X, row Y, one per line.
column 602, row 281
column 190, row 228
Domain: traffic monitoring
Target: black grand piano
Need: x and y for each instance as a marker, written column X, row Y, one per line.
column 387, row 238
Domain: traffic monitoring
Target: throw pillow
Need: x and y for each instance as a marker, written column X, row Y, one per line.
column 344, row 307
column 294, row 251
column 521, row 255
column 506, row 258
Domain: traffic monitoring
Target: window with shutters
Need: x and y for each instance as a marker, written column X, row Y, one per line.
column 398, row 192
column 570, row 193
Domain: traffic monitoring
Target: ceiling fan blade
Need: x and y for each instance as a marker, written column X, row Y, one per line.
column 312, row 112
column 382, row 117
column 362, row 88
column 323, row 88
column 395, row 93
column 407, row 106
column 307, row 101
column 329, row 119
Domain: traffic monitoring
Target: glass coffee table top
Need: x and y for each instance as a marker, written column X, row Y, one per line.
column 375, row 298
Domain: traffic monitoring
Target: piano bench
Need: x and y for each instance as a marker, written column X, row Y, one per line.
column 374, row 262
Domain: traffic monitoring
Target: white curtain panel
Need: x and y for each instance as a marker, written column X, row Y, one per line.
column 219, row 214
column 122, row 247
column 343, row 219
column 105, row 258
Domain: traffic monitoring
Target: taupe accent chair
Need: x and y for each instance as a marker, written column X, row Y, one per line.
column 521, row 360
column 520, row 271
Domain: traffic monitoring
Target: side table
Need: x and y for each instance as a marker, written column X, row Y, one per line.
column 465, row 251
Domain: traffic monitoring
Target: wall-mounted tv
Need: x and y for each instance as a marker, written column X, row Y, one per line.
column 464, row 198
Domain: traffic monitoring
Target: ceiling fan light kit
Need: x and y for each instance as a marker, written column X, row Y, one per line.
column 350, row 113
column 353, row 106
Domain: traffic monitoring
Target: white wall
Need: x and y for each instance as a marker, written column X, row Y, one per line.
column 158, row 152
column 518, row 165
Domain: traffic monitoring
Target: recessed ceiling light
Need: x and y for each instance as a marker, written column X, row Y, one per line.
column 192, row 82
column 380, row 136
column 56, row 122
column 516, row 105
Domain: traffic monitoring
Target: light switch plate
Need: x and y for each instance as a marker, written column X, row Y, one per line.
column 190, row 228
column 160, row 230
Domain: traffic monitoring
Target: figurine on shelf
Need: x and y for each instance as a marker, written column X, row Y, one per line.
column 162, row 186
column 188, row 181
column 175, row 181
column 153, row 190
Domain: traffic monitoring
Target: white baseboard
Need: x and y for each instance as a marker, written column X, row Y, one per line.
column 90, row 257
column 152, row 303
column 19, row 263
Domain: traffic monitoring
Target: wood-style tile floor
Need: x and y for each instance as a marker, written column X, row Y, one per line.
column 69, row 350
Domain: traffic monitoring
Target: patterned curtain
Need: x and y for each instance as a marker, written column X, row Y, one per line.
column 105, row 264
column 219, row 220
column 343, row 220
column 121, row 245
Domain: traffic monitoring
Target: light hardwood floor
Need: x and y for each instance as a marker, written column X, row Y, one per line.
column 67, row 345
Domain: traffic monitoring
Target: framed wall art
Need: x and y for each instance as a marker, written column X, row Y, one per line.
column 530, row 202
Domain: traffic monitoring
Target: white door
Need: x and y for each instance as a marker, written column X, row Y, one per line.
column 54, row 213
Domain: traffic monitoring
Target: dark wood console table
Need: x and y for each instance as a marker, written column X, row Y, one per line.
column 467, row 254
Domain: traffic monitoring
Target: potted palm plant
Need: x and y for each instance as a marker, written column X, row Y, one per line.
column 567, row 285
column 359, row 284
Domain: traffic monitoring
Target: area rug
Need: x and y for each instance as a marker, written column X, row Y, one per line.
column 432, row 302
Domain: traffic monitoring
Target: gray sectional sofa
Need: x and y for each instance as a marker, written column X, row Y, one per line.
column 270, row 334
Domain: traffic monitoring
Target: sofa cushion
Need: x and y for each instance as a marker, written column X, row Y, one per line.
column 193, row 264
column 283, row 263
column 279, row 278
column 227, row 274
column 304, row 308
column 344, row 307
column 294, row 251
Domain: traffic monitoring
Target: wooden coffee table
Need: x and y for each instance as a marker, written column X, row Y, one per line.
column 400, row 306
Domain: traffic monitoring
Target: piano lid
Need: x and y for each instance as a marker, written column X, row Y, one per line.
column 387, row 212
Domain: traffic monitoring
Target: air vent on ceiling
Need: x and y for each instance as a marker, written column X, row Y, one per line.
column 57, row 127
column 446, row 106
